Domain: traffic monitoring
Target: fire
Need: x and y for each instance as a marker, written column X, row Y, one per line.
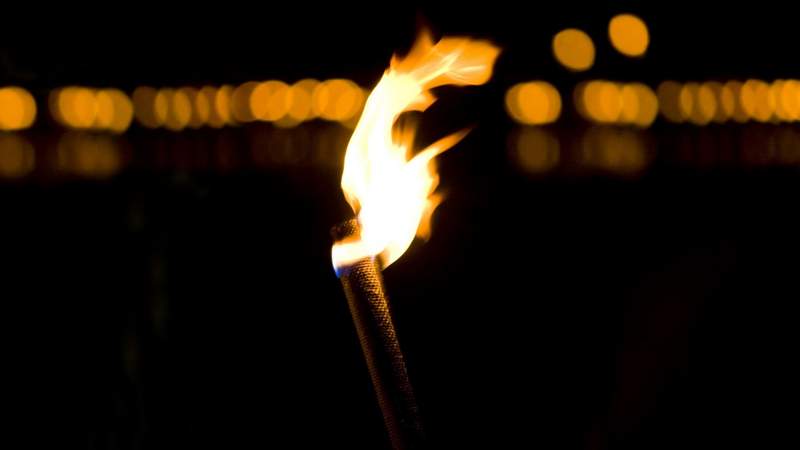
column 390, row 191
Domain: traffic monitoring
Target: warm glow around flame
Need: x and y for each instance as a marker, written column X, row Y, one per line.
column 389, row 190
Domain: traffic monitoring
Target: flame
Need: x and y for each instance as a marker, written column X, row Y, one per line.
column 390, row 191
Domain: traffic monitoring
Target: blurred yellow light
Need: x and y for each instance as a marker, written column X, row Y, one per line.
column 17, row 156
column 161, row 106
column 222, row 104
column 179, row 109
column 123, row 111
column 240, row 102
column 739, row 111
column 755, row 100
column 299, row 98
column 602, row 101
column 698, row 103
column 534, row 103
column 628, row 34
column 200, row 113
column 726, row 101
column 205, row 107
column 537, row 150
column 686, row 101
column 114, row 110
column 512, row 103
column 648, row 105
column 630, row 104
column 337, row 100
column 88, row 155
column 776, row 90
column 17, row 108
column 669, row 93
column 618, row 150
column 639, row 105
column 144, row 107
column 105, row 110
column 270, row 100
column 573, row 49
column 790, row 99
column 706, row 103
column 77, row 106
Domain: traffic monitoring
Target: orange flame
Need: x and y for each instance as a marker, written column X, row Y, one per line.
column 390, row 191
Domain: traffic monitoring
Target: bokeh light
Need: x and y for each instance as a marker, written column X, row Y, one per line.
column 299, row 100
column 205, row 106
column 221, row 107
column 668, row 93
column 179, row 109
column 533, row 103
column 240, row 102
column 609, row 102
column 536, row 150
column 269, row 101
column 574, row 49
column 621, row 151
column 601, row 101
column 629, row 35
column 88, row 155
column 338, row 100
column 739, row 112
column 144, row 107
column 17, row 108
column 17, row 156
column 790, row 99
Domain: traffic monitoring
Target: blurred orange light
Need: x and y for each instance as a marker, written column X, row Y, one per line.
column 790, row 99
column 628, row 34
column 144, row 101
column 698, row 103
column 222, row 104
column 179, row 109
column 88, row 155
column 602, row 101
column 648, row 105
column 240, row 102
column 533, row 103
column 269, row 100
column 77, row 107
column 574, row 49
column 726, row 101
column 537, row 150
column 338, row 100
column 630, row 104
column 299, row 99
column 755, row 100
column 17, row 156
column 17, row 108
column 205, row 107
column 669, row 93
column 776, row 90
column 114, row 110
column 739, row 111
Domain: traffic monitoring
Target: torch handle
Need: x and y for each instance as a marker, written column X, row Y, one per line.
column 363, row 286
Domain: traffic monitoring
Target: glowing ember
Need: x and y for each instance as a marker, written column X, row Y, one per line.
column 390, row 191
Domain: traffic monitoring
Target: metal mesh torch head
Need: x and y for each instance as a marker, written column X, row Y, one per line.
column 364, row 288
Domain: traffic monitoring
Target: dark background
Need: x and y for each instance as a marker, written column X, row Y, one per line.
column 186, row 306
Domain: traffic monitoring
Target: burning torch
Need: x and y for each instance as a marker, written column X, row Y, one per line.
column 391, row 193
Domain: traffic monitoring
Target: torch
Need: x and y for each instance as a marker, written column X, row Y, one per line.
column 391, row 191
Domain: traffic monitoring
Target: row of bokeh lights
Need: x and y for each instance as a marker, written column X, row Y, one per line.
column 84, row 108
column 530, row 103
column 341, row 100
column 699, row 103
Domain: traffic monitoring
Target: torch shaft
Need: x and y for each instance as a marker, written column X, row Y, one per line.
column 363, row 286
